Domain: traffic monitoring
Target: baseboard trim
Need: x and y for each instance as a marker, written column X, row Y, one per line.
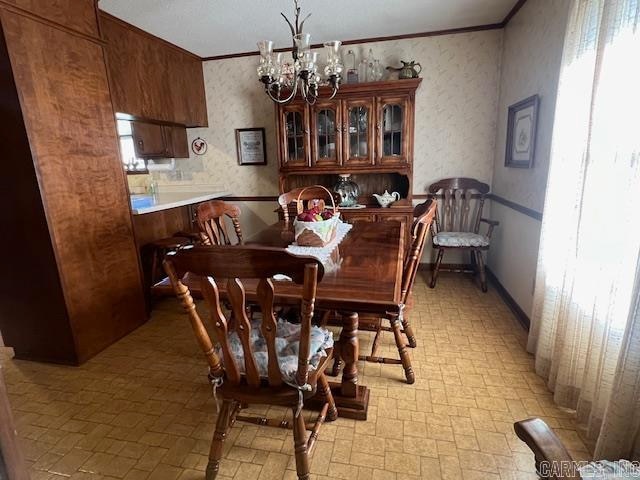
column 517, row 311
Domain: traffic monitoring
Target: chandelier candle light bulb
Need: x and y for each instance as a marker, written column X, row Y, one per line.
column 305, row 77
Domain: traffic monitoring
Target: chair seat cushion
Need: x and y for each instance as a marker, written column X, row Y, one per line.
column 460, row 239
column 287, row 347
column 605, row 470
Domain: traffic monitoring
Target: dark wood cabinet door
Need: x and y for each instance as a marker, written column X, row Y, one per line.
column 175, row 137
column 393, row 130
column 294, row 121
column 326, row 133
column 358, row 141
column 151, row 79
column 148, row 139
column 352, row 216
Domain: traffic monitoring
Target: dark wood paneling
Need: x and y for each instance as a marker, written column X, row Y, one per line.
column 63, row 90
column 82, row 20
column 150, row 79
column 156, row 225
column 32, row 292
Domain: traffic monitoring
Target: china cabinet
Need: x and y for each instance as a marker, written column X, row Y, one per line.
column 366, row 130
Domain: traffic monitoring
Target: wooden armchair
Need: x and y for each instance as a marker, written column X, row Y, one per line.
column 547, row 447
column 316, row 192
column 211, row 222
column 423, row 215
column 238, row 375
column 457, row 227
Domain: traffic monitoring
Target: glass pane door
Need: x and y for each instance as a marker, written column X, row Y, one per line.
column 358, row 135
column 295, row 136
column 326, row 134
column 392, row 130
column 358, row 132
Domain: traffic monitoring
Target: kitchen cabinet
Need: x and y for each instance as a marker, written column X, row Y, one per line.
column 148, row 139
column 152, row 79
column 176, row 142
column 75, row 284
column 152, row 140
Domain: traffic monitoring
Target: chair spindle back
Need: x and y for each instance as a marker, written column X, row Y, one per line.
column 424, row 215
column 459, row 212
column 211, row 222
column 228, row 267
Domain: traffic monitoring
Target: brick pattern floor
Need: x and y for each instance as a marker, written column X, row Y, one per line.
column 142, row 409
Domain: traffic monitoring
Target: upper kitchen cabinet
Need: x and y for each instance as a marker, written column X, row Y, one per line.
column 83, row 19
column 152, row 79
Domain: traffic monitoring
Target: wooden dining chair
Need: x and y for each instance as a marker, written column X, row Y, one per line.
column 424, row 215
column 266, row 362
column 314, row 192
column 457, row 227
column 210, row 217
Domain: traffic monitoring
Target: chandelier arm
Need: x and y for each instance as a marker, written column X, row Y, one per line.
column 294, row 90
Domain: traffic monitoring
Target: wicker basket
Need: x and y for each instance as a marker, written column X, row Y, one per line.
column 316, row 234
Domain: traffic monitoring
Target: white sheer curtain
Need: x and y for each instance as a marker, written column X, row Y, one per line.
column 585, row 330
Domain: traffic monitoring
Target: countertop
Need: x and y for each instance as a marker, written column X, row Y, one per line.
column 141, row 204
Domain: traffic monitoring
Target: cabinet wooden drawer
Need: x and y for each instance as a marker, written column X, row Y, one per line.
column 358, row 217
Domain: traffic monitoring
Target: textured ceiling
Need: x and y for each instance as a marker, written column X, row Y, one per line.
column 220, row 27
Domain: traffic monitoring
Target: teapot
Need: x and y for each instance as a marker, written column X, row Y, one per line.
column 407, row 70
column 387, row 198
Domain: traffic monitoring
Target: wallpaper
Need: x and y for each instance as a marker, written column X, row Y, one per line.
column 533, row 42
column 456, row 109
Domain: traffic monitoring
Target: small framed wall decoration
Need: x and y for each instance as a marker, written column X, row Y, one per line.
column 199, row 146
column 251, row 146
column 522, row 123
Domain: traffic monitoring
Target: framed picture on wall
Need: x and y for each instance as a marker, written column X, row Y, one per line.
column 251, row 146
column 522, row 123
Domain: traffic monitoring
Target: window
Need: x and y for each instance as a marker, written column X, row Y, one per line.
column 131, row 162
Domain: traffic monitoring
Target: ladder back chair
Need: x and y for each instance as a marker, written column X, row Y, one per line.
column 315, row 192
column 554, row 462
column 457, row 226
column 211, row 222
column 268, row 361
column 424, row 215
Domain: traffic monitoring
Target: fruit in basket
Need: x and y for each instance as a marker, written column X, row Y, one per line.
column 315, row 215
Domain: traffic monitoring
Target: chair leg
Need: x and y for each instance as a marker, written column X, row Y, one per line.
column 219, row 436
column 402, row 350
column 325, row 391
column 408, row 331
column 337, row 360
column 300, row 446
column 154, row 266
column 483, row 275
column 434, row 275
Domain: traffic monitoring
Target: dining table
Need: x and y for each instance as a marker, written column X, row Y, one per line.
column 363, row 275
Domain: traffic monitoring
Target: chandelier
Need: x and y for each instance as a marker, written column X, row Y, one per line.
column 282, row 80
